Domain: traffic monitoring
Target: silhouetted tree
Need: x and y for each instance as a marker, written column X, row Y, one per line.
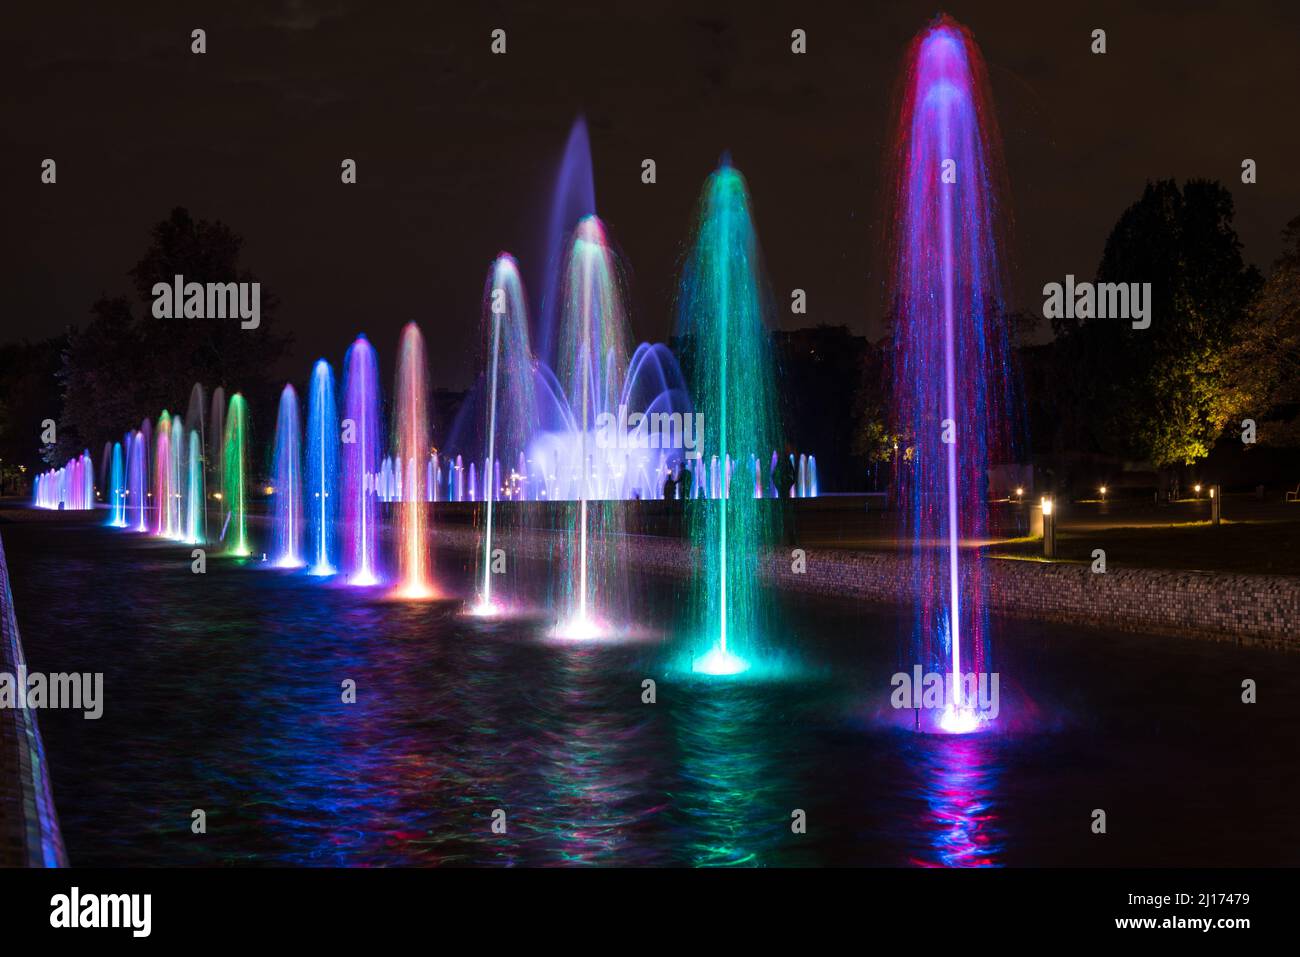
column 29, row 394
column 819, row 371
column 212, row 351
column 105, row 380
column 1162, row 394
column 127, row 364
column 873, row 440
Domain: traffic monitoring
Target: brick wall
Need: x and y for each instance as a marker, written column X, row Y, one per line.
column 29, row 828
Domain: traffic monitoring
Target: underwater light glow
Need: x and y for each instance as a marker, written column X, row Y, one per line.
column 959, row 720
column 581, row 628
column 415, row 591
column 719, row 661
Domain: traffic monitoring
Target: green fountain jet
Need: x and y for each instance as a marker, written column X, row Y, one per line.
column 722, row 305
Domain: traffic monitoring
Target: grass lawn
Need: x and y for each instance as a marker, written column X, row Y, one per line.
column 1249, row 547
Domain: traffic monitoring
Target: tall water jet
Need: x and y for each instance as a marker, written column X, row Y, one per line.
column 216, row 459
column 195, row 500
column 138, row 482
column 593, row 355
column 197, row 411
column 146, row 501
column 411, row 447
column 234, row 458
column 104, row 476
column 176, row 505
column 86, row 491
column 322, row 470
column 723, row 305
column 951, row 353
column 286, row 496
column 361, row 442
column 163, row 487
column 509, row 374
column 196, row 516
column 117, row 488
column 573, row 198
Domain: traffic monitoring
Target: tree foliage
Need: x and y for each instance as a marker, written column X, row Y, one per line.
column 29, row 395
column 125, row 364
column 1265, row 360
column 1162, row 394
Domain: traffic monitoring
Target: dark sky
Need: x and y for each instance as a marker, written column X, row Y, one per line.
column 457, row 149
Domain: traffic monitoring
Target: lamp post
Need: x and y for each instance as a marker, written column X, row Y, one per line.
column 1049, row 527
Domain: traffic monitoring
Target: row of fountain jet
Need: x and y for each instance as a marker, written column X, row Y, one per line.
column 347, row 489
column 538, row 412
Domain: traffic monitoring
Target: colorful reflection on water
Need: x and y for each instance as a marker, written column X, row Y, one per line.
column 235, row 704
column 958, row 779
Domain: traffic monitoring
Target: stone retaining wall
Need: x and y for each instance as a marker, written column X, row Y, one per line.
column 1246, row 609
column 29, row 827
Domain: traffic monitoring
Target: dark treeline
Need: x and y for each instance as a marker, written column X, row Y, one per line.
column 124, row 365
column 1104, row 400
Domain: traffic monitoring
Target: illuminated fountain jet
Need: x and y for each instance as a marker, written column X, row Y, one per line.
column 722, row 318
column 951, row 350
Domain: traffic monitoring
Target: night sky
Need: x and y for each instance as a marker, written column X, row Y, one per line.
column 457, row 149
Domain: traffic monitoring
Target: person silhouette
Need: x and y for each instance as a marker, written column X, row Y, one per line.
column 783, row 476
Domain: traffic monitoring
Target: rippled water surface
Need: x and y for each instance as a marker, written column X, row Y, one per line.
column 223, row 693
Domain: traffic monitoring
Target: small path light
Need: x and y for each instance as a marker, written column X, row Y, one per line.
column 1049, row 527
column 1216, row 498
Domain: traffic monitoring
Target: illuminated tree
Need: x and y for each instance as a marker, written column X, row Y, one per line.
column 1264, row 363
column 1164, row 394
